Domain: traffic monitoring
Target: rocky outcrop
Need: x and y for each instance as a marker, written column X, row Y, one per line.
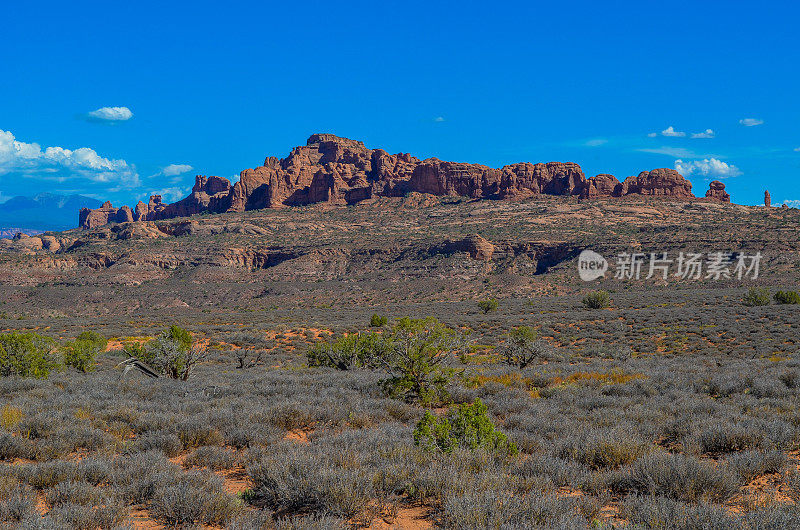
column 209, row 194
column 602, row 185
column 662, row 182
column 334, row 170
column 716, row 191
column 477, row 247
column 88, row 218
column 767, row 199
column 26, row 244
column 481, row 182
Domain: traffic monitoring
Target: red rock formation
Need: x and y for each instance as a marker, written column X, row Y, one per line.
column 716, row 191
column 552, row 178
column 88, row 218
column 659, row 182
column 602, row 185
column 208, row 194
column 454, row 178
column 474, row 180
column 151, row 210
column 336, row 170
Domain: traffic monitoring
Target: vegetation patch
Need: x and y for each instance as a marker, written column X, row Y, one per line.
column 27, row 355
column 468, row 426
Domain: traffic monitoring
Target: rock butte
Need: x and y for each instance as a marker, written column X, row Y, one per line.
column 334, row 170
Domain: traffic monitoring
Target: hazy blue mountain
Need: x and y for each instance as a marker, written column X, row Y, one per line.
column 46, row 211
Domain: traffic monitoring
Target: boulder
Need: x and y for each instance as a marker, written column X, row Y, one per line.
column 478, row 248
column 716, row 191
column 50, row 243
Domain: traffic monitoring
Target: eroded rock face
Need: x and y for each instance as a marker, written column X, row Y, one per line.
column 602, row 185
column 716, row 191
column 658, row 182
column 209, row 194
column 478, row 248
column 334, row 170
column 88, row 218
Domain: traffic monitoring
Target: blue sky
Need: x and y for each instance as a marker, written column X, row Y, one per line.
column 128, row 99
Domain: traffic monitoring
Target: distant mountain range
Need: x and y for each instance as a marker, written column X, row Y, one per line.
column 46, row 211
column 8, row 233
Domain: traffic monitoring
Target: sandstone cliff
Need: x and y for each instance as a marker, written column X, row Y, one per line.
column 334, row 170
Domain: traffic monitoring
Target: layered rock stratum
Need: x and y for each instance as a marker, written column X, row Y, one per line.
column 334, row 170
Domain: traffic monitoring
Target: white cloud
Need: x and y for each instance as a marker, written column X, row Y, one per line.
column 708, row 167
column 792, row 203
column 172, row 194
column 595, row 142
column 708, row 133
column 438, row 119
column 111, row 114
column 751, row 122
column 670, row 131
column 175, row 169
column 652, row 135
column 678, row 152
column 60, row 164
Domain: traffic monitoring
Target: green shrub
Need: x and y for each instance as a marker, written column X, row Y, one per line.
column 597, row 300
column 468, row 426
column 523, row 347
column 27, row 355
column 756, row 297
column 172, row 353
column 787, row 297
column 377, row 321
column 181, row 337
column 488, row 305
column 82, row 352
column 415, row 354
column 357, row 350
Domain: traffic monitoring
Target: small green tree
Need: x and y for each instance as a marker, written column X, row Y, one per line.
column 787, row 297
column 523, row 347
column 597, row 300
column 82, row 352
column 378, row 321
column 488, row 305
column 356, row 350
column 27, row 355
column 468, row 426
column 415, row 355
column 173, row 353
column 756, row 297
